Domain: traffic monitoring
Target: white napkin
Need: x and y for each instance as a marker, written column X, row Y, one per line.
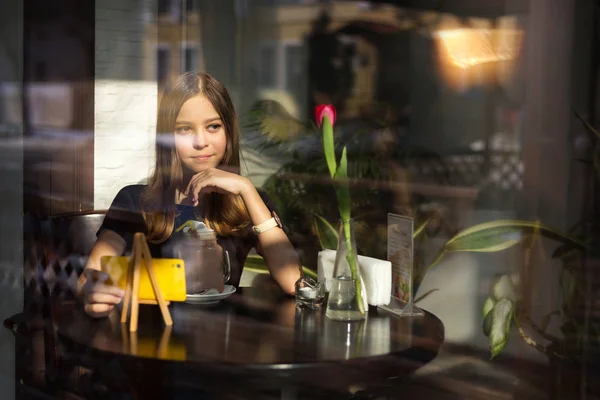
column 376, row 274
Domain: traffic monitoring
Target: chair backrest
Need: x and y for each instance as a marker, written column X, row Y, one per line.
column 74, row 234
column 33, row 257
column 56, row 250
column 55, row 253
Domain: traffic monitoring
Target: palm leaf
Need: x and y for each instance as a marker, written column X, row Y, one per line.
column 274, row 122
column 328, row 236
column 257, row 264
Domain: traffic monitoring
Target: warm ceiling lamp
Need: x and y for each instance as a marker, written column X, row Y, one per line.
column 469, row 47
column 471, row 55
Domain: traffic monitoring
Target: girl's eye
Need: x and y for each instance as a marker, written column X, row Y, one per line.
column 214, row 127
column 183, row 129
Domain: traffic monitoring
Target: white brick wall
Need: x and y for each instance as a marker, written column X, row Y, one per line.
column 125, row 103
column 124, row 136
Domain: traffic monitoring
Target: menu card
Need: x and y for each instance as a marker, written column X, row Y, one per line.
column 400, row 254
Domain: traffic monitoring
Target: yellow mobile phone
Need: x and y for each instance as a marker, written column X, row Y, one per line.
column 170, row 273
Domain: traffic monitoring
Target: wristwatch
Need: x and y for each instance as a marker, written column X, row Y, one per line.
column 268, row 224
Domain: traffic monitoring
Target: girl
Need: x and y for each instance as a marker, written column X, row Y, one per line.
column 195, row 178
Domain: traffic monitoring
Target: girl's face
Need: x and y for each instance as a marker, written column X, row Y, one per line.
column 200, row 138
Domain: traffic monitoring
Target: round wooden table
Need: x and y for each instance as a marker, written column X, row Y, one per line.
column 251, row 342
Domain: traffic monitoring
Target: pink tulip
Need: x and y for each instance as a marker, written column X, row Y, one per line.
column 322, row 110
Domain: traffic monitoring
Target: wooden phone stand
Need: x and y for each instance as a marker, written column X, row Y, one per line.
column 141, row 255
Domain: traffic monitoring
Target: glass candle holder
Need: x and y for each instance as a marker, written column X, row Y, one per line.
column 309, row 293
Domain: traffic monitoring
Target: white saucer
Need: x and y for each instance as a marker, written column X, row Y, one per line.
column 211, row 297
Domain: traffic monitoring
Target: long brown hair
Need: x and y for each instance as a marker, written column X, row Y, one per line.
column 226, row 214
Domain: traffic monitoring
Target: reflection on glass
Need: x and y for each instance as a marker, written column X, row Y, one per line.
column 449, row 117
column 469, row 47
column 470, row 55
column 163, row 347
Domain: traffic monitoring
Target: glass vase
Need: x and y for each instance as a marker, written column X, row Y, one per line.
column 347, row 296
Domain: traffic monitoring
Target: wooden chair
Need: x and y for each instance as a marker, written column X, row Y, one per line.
column 68, row 240
column 55, row 253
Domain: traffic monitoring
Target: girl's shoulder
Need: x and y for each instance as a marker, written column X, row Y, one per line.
column 125, row 214
column 132, row 190
column 129, row 197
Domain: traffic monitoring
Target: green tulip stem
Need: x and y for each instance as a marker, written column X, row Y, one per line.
column 329, row 145
column 352, row 259
column 340, row 173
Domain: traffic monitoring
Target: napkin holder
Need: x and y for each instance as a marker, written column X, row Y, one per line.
column 141, row 256
column 376, row 274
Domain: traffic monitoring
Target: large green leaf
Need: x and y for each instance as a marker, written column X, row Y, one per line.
column 328, row 236
column 503, row 288
column 502, row 234
column 256, row 263
column 500, row 319
column 487, row 307
column 310, row 273
column 487, row 241
column 342, row 187
column 329, row 145
column 487, row 323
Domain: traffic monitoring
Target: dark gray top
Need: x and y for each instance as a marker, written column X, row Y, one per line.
column 125, row 218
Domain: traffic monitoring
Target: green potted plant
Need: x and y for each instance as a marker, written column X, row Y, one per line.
column 503, row 311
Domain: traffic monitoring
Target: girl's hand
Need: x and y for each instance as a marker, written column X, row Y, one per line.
column 215, row 180
column 99, row 299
